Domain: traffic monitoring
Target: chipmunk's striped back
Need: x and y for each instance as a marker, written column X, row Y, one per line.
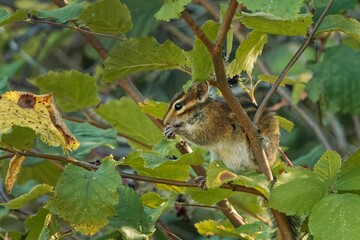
column 211, row 123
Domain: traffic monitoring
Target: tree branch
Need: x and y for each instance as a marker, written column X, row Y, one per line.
column 91, row 167
column 293, row 60
column 85, row 165
column 234, row 104
column 197, row 30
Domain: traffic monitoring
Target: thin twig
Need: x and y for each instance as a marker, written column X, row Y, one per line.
column 7, row 156
column 90, row 167
column 167, row 230
column 196, row 205
column 179, row 34
column 225, row 26
column 339, row 132
column 356, row 121
column 79, row 29
column 306, row 116
column 287, row 160
column 209, row 6
column 291, row 63
column 85, row 165
column 197, row 30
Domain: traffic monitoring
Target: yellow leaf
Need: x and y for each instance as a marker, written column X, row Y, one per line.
column 39, row 113
column 13, row 170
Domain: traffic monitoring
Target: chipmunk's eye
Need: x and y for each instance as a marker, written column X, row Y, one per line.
column 178, row 106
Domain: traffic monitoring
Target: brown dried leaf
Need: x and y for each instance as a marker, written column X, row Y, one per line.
column 39, row 113
column 13, row 170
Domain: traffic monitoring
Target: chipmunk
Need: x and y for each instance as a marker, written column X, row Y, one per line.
column 210, row 123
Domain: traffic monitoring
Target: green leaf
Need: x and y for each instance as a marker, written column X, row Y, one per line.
column 256, row 230
column 91, row 193
column 89, row 136
column 166, row 170
column 311, row 157
column 247, row 54
column 321, row 3
column 142, row 54
column 166, row 147
column 36, row 225
column 171, row 9
column 349, row 176
column 299, row 86
column 297, row 191
column 21, row 138
column 338, row 84
column 152, row 200
column 154, row 159
column 142, row 14
column 107, row 16
column 201, row 60
column 61, row 15
column 336, row 217
column 194, row 158
column 155, row 109
column 36, row 169
column 285, row 124
column 155, row 206
column 35, row 192
column 285, row 9
column 328, row 166
column 217, row 174
column 130, row 215
column 6, row 18
column 210, row 228
column 209, row 196
column 264, row 22
column 272, row 79
column 122, row 114
column 341, row 23
column 72, row 90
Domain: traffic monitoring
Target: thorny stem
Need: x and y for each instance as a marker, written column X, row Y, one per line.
column 291, row 63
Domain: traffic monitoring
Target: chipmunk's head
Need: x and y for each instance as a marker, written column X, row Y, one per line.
column 181, row 108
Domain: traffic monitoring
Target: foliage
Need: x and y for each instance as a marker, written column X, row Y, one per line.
column 79, row 177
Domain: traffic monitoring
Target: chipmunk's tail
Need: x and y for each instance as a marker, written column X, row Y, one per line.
column 295, row 225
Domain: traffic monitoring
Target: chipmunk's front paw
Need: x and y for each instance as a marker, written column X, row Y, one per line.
column 169, row 132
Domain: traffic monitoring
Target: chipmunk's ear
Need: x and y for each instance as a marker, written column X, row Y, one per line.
column 202, row 91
